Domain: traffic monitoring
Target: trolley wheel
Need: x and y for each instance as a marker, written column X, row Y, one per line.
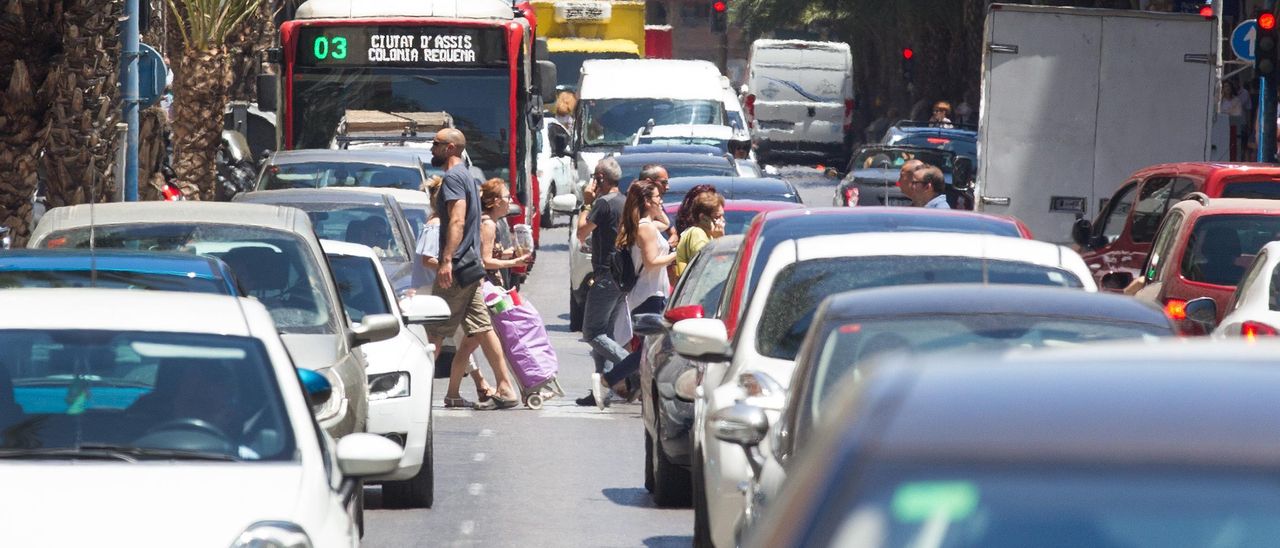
column 534, row 401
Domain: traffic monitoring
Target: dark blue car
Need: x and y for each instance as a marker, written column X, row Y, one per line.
column 115, row 268
column 677, row 164
column 735, row 188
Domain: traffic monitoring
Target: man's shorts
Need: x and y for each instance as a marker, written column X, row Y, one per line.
column 467, row 309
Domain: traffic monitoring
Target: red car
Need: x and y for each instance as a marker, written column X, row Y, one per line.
column 1202, row 249
column 1117, row 242
column 738, row 213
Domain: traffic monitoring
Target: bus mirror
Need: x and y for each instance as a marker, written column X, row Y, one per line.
column 540, row 50
column 546, row 76
column 268, row 100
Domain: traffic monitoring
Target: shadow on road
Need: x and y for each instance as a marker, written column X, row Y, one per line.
column 553, row 247
column 628, row 496
column 669, row 541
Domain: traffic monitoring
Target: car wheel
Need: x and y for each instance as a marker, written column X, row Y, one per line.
column 548, row 218
column 415, row 492
column 357, row 509
column 701, row 529
column 672, row 484
column 648, row 461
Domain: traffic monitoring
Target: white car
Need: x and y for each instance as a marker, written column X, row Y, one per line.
column 688, row 134
column 580, row 273
column 182, row 422
column 400, row 369
column 794, row 280
column 1254, row 310
column 556, row 176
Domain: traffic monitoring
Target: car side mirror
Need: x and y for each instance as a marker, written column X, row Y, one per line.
column 374, row 328
column 316, row 386
column 361, row 455
column 1082, row 232
column 1203, row 312
column 701, row 339
column 744, row 425
column 424, row 310
column 268, row 98
column 648, row 324
column 546, row 77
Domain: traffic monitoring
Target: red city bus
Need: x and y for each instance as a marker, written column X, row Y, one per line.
column 473, row 60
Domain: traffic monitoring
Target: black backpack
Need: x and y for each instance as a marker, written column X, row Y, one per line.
column 623, row 269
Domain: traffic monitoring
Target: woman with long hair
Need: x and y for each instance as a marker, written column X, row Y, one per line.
column 703, row 212
column 641, row 236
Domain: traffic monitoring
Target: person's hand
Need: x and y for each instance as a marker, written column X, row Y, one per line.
column 717, row 228
column 673, row 239
column 589, row 192
column 527, row 258
column 444, row 276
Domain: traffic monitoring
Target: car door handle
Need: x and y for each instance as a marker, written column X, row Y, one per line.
column 996, row 200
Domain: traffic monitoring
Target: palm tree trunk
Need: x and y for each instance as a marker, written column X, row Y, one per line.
column 18, row 150
column 201, row 81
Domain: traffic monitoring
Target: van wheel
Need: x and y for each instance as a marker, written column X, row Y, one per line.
column 548, row 217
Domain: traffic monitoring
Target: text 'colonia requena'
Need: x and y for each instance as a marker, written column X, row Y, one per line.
column 429, row 48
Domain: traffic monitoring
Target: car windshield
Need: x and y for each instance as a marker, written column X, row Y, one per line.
column 321, row 97
column 359, row 286
column 1221, row 247
column 271, row 265
column 799, row 287
column 358, row 224
column 935, row 506
column 126, row 395
column 631, row 172
column 613, row 122
column 113, row 279
column 326, row 174
column 1268, row 190
column 892, row 159
column 707, row 276
column 846, row 345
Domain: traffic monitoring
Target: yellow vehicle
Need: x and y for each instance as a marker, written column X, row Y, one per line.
column 578, row 30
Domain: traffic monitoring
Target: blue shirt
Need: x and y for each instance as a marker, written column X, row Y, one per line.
column 939, row 202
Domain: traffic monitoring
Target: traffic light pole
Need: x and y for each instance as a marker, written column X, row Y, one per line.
column 129, row 96
column 1266, row 120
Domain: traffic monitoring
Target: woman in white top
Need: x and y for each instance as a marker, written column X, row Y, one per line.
column 651, row 253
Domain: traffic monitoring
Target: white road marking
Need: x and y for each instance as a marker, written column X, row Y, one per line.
column 480, row 457
column 486, row 433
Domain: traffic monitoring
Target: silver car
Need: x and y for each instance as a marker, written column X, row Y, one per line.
column 276, row 258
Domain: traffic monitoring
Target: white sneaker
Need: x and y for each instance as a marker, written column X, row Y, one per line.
column 597, row 391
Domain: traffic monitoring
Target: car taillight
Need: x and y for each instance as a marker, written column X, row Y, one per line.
column 848, row 115
column 851, row 196
column 1251, row 330
column 751, row 107
column 1176, row 309
column 938, row 140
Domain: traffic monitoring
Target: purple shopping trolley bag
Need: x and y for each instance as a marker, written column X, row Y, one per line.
column 524, row 338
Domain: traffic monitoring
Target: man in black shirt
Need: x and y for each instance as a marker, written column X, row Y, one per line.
column 604, row 300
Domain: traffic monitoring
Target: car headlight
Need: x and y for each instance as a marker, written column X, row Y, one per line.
column 273, row 534
column 388, row 385
column 330, row 407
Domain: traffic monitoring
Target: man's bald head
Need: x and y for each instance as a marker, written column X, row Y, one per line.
column 452, row 136
column 908, row 167
column 447, row 148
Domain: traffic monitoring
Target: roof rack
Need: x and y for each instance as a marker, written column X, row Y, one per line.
column 391, row 128
column 1199, row 197
column 934, row 125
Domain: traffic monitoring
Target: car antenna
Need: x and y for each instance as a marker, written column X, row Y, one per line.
column 93, row 256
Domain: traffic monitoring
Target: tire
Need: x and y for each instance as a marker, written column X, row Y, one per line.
column 575, row 311
column 701, row 529
column 648, row 461
column 548, row 217
column 672, row 485
column 418, row 491
column 358, row 508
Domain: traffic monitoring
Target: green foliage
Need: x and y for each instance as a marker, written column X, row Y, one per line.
column 204, row 24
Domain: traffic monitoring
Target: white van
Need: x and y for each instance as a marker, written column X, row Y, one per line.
column 617, row 97
column 800, row 98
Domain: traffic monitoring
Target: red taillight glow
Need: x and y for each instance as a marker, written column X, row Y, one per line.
column 1267, row 21
column 851, row 196
column 938, row 140
column 1206, row 11
column 1251, row 330
column 1176, row 309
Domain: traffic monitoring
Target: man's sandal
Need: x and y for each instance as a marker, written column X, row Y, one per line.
column 458, row 402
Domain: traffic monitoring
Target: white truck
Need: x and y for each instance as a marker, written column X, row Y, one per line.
column 1075, row 99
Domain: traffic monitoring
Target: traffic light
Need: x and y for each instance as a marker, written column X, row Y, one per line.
column 908, row 56
column 1266, row 54
column 719, row 15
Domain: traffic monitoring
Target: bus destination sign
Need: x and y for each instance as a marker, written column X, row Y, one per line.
column 400, row 46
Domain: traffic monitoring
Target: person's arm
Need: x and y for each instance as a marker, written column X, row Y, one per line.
column 648, row 240
column 488, row 235
column 585, row 226
column 453, row 239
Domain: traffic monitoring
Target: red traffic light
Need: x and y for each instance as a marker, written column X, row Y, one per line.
column 1206, row 11
column 719, row 6
column 1267, row 21
column 908, row 53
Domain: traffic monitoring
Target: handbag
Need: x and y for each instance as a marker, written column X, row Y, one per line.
column 468, row 269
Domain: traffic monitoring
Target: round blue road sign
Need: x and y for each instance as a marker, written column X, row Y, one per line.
column 1243, row 39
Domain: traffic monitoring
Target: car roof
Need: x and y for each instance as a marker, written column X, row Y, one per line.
column 682, row 158
column 233, row 213
column 758, row 206
column 1208, row 169
column 1218, row 206
column 394, row 156
column 1202, row 402
column 992, row 299
column 315, row 196
column 670, row 148
column 931, row 244
column 793, row 223
column 406, row 197
column 154, row 262
column 163, row 311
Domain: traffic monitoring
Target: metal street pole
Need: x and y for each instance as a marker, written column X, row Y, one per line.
column 129, row 61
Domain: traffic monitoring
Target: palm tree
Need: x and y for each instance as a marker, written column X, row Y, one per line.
column 28, row 34
column 201, row 82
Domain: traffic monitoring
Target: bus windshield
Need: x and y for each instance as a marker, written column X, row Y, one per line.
column 473, row 96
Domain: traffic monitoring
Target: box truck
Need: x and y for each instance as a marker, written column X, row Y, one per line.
column 1076, row 99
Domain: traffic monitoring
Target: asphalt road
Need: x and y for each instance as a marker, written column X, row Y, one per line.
column 560, row 476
